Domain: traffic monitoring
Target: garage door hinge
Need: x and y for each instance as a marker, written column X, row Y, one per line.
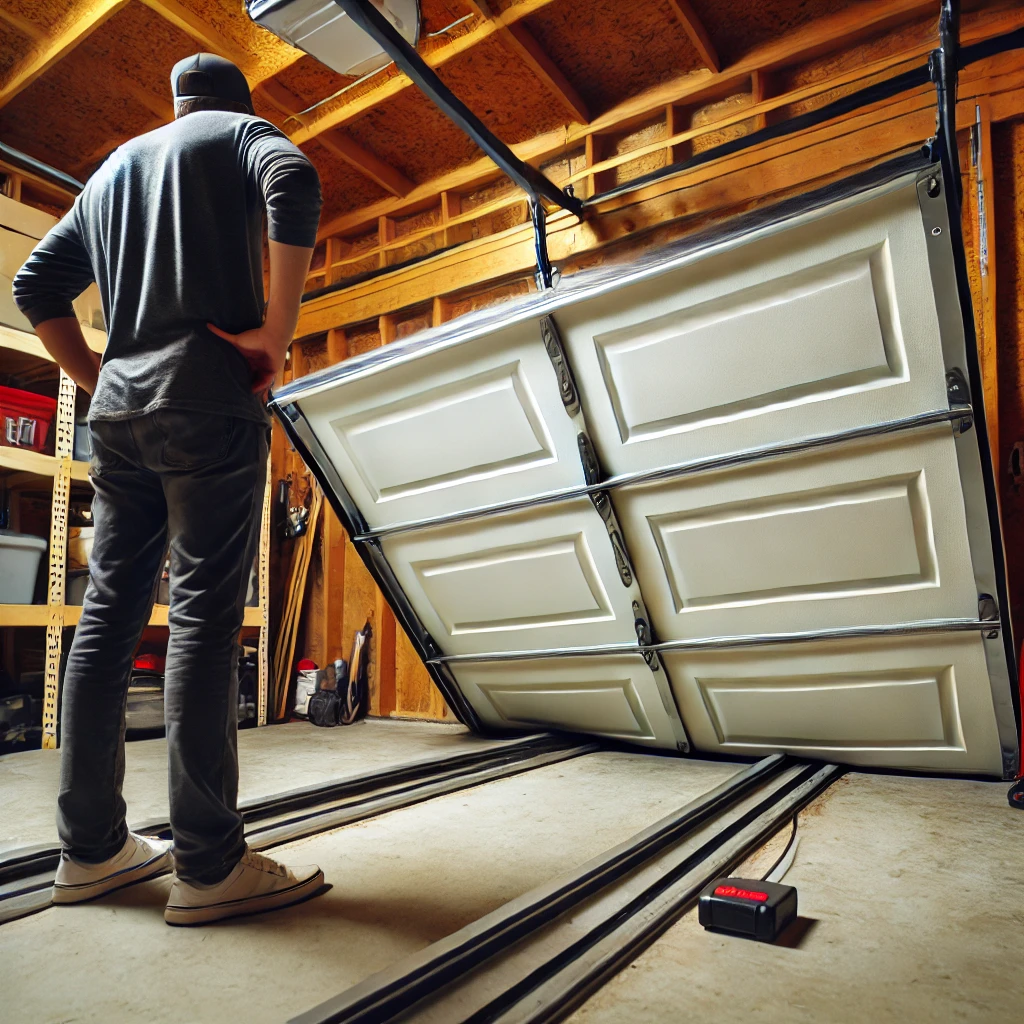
column 988, row 611
column 959, row 396
column 566, row 385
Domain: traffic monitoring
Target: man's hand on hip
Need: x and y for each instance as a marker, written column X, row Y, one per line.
column 264, row 353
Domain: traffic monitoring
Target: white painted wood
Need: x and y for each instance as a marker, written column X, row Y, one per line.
column 614, row 697
column 539, row 579
column 818, row 328
column 862, row 535
column 902, row 703
column 463, row 427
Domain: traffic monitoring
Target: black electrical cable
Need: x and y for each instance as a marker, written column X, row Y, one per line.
column 785, row 853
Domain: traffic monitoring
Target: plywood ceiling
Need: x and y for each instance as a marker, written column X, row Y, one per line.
column 78, row 77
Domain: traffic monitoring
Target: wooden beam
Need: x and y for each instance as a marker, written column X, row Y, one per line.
column 694, row 28
column 369, row 164
column 796, row 161
column 435, row 53
column 518, row 38
column 85, row 18
column 192, row 24
column 339, row 143
column 23, row 25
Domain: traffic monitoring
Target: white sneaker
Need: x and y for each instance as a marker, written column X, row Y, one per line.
column 140, row 858
column 255, row 884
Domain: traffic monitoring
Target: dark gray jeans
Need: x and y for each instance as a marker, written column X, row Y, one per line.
column 193, row 481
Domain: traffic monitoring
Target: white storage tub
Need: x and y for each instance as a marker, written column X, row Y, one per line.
column 20, row 555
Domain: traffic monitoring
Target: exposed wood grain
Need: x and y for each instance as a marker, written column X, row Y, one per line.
column 698, row 34
column 23, row 25
column 331, row 116
column 85, row 18
column 821, row 36
column 517, row 38
column 216, row 42
column 367, row 163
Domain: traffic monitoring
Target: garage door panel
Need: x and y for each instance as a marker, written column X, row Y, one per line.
column 711, row 389
column 900, row 702
column 811, row 334
column 817, row 329
column 536, row 580
column 615, row 697
column 455, row 429
column 872, row 534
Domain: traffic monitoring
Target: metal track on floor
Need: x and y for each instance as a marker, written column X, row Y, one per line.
column 26, row 874
column 541, row 955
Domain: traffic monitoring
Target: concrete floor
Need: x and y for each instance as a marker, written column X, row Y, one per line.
column 271, row 760
column 914, row 893
column 401, row 881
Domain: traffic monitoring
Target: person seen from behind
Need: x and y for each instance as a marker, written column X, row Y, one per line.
column 171, row 229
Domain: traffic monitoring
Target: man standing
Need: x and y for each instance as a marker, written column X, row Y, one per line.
column 170, row 228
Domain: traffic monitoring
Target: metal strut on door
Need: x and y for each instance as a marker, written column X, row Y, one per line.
column 536, row 185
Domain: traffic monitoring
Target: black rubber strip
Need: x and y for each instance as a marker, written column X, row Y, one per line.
column 393, row 992
column 24, row 874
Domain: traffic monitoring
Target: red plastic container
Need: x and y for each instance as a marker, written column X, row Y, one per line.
column 25, row 419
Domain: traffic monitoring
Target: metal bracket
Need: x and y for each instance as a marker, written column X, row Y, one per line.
column 566, row 384
column 535, row 184
column 959, row 396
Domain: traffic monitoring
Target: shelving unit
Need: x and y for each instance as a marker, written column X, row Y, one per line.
column 63, row 470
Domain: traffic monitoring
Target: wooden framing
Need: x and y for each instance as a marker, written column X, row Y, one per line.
column 693, row 27
column 88, row 15
column 436, row 54
column 517, row 38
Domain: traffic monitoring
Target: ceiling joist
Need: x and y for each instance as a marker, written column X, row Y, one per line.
column 436, row 56
column 213, row 41
column 339, row 143
column 805, row 43
column 518, row 38
column 84, row 18
column 23, row 25
column 693, row 27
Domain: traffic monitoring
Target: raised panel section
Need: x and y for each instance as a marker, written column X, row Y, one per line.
column 471, row 429
column 870, row 711
column 549, row 583
column 442, row 431
column 613, row 696
column 863, row 539
column 902, row 702
column 822, row 326
column 603, row 706
column 538, row 579
column 858, row 535
column 802, row 337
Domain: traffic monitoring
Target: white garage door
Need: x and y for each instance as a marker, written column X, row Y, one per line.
column 726, row 499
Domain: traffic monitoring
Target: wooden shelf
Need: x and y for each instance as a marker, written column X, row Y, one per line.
column 24, row 461
column 24, row 614
column 27, row 342
column 73, row 612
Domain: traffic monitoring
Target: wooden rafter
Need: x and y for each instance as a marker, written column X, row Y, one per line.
column 434, row 53
column 818, row 37
column 518, row 38
column 23, row 25
column 694, row 28
column 340, row 143
column 87, row 16
column 213, row 41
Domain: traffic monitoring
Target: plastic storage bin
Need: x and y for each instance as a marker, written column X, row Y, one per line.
column 20, row 555
column 25, row 419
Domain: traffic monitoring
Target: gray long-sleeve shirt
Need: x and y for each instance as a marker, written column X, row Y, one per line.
column 170, row 228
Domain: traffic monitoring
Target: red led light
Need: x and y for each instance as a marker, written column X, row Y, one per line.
column 742, row 894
